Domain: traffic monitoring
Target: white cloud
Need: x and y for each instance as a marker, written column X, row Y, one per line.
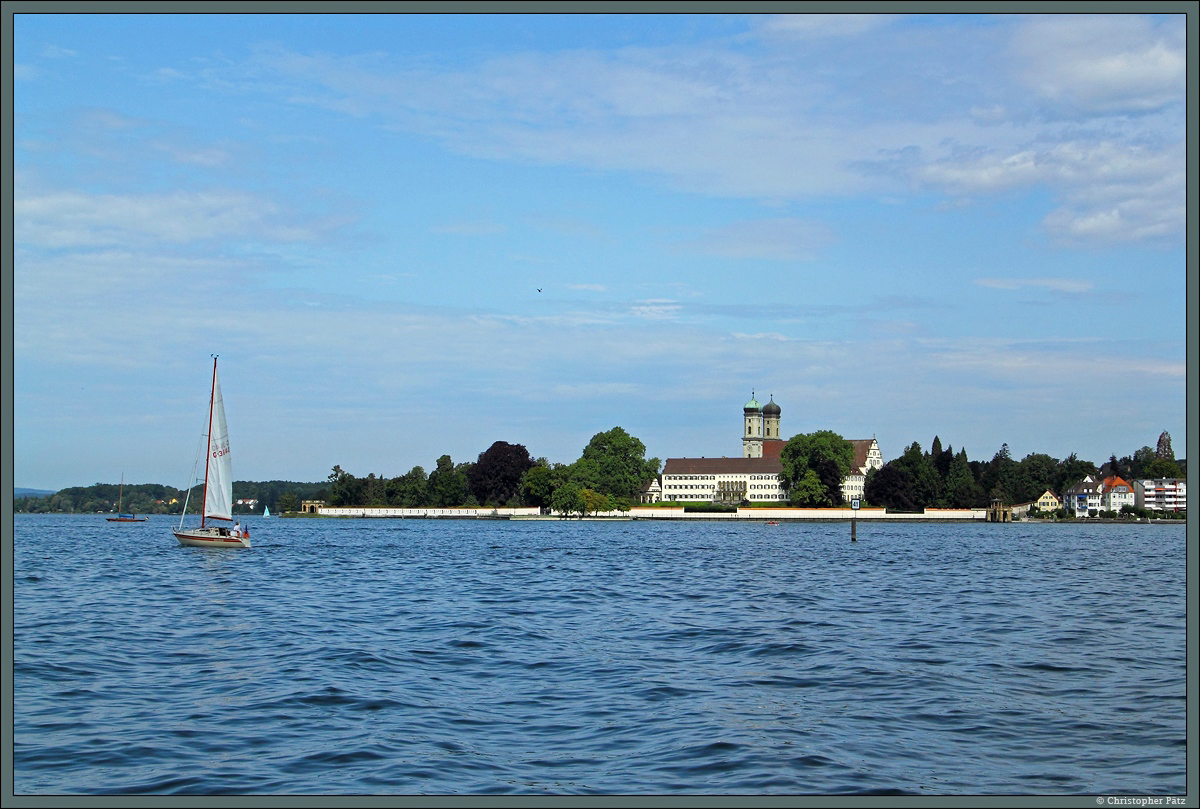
column 656, row 309
column 761, row 336
column 98, row 118
column 781, row 239
column 1114, row 192
column 819, row 26
column 1041, row 363
column 785, row 122
column 207, row 157
column 1105, row 63
column 593, row 390
column 471, row 228
column 55, row 52
column 1054, row 284
column 58, row 219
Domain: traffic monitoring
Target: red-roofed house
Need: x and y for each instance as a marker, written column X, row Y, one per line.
column 1114, row 493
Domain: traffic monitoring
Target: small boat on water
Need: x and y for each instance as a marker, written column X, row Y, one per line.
column 217, row 500
column 266, row 511
column 122, row 516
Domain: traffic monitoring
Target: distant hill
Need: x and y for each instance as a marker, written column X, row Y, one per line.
column 19, row 493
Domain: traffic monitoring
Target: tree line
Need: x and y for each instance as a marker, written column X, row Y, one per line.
column 155, row 498
column 943, row 478
column 814, row 465
column 612, row 471
column 608, row 475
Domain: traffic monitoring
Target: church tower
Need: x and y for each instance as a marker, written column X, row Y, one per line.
column 752, row 433
column 771, row 421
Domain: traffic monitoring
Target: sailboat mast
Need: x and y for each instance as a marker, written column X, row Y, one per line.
column 208, row 453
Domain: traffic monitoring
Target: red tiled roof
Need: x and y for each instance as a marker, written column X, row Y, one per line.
column 723, row 466
column 769, row 464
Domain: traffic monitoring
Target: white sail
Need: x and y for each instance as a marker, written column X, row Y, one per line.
column 218, row 501
column 266, row 511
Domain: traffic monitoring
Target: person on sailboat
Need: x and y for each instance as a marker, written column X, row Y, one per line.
column 237, row 529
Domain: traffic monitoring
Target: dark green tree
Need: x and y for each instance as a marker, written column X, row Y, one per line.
column 345, row 489
column 568, row 500
column 447, row 485
column 1162, row 468
column 538, row 484
column 496, row 476
column 925, row 486
column 1112, row 467
column 960, row 490
column 410, row 490
column 1137, row 464
column 1038, row 473
column 891, row 487
column 827, row 456
column 374, row 490
column 1071, row 470
column 614, row 463
column 941, row 458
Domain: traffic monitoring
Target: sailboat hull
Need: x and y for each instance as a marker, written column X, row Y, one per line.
column 210, row 538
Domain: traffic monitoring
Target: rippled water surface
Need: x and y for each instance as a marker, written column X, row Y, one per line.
column 440, row 657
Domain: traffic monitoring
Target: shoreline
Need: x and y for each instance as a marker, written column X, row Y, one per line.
column 761, row 515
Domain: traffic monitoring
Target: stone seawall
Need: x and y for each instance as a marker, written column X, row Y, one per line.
column 815, row 514
column 650, row 513
column 428, row 513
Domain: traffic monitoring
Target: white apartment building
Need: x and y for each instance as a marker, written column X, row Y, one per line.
column 1161, row 494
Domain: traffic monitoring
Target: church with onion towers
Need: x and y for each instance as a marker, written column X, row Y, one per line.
column 754, row 477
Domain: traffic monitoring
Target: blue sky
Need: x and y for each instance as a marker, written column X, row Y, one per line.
column 907, row 226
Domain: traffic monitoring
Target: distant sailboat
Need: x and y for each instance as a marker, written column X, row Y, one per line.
column 266, row 511
column 121, row 516
column 218, row 484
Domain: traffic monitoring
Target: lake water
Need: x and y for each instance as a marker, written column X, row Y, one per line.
column 397, row 657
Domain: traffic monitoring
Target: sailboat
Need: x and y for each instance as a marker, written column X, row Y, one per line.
column 218, row 485
column 266, row 511
column 121, row 516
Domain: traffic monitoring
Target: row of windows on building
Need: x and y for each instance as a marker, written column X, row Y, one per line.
column 1090, row 496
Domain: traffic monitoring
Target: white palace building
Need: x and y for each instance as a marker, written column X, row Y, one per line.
column 754, row 476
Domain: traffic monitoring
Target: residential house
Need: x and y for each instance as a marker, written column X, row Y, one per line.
column 1114, row 493
column 1048, row 502
column 1084, row 499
